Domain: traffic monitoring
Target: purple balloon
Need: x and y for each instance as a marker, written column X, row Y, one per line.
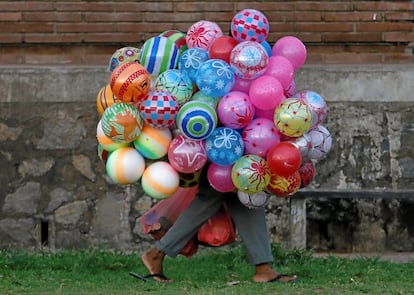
column 235, row 110
column 259, row 136
column 241, row 84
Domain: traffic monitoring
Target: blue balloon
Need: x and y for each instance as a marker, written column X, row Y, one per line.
column 224, row 146
column 191, row 60
column 267, row 47
column 215, row 78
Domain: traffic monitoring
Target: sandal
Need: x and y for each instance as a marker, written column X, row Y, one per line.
column 158, row 277
column 279, row 277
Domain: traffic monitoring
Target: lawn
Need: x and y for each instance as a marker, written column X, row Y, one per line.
column 211, row 271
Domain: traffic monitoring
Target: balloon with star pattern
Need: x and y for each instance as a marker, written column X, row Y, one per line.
column 200, row 98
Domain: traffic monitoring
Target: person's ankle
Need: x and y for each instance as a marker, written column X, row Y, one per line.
column 263, row 267
column 155, row 253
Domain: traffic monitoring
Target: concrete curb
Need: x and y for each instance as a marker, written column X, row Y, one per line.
column 385, row 83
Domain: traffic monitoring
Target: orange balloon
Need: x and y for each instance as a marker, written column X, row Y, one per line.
column 130, row 82
column 105, row 99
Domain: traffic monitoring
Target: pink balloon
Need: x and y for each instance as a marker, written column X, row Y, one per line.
column 266, row 92
column 267, row 114
column 292, row 48
column 202, row 34
column 235, row 110
column 241, row 84
column 259, row 136
column 186, row 155
column 280, row 68
column 219, row 177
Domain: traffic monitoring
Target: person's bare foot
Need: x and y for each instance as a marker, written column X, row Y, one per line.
column 265, row 273
column 153, row 261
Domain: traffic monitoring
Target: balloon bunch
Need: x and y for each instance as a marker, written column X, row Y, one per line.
column 189, row 100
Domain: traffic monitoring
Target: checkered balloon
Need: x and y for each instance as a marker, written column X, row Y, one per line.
column 159, row 109
column 250, row 25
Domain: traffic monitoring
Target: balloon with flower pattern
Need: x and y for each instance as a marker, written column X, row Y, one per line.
column 201, row 98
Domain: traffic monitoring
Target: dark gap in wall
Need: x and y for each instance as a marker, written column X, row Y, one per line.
column 44, row 232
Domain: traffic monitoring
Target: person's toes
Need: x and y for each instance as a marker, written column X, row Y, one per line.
column 159, row 277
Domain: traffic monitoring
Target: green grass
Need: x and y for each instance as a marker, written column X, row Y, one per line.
column 97, row 271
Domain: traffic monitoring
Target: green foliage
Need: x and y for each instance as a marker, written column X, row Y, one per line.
column 210, row 272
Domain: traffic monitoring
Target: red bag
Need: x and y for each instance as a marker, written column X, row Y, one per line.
column 219, row 230
column 158, row 220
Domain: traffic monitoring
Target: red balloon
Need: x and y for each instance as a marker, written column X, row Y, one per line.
column 222, row 47
column 307, row 173
column 186, row 155
column 284, row 186
column 284, row 158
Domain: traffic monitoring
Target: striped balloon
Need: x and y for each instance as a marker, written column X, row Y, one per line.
column 160, row 180
column 105, row 98
column 196, row 119
column 153, row 142
column 125, row 165
column 178, row 37
column 159, row 54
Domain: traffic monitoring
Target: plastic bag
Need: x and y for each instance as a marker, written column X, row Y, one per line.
column 219, row 230
column 158, row 220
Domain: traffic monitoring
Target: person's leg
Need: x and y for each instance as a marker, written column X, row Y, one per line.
column 252, row 228
column 205, row 205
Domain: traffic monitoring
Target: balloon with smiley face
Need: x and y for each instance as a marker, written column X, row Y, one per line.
column 130, row 82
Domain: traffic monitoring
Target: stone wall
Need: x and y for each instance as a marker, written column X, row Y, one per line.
column 54, row 190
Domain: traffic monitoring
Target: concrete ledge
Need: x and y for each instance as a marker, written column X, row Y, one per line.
column 385, row 83
column 51, row 84
column 354, row 194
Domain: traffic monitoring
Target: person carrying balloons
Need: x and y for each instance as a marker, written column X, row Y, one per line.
column 225, row 107
column 251, row 226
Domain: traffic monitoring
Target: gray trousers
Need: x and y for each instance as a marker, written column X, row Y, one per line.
column 250, row 225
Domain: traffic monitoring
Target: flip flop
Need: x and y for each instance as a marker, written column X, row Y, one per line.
column 146, row 278
column 278, row 278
